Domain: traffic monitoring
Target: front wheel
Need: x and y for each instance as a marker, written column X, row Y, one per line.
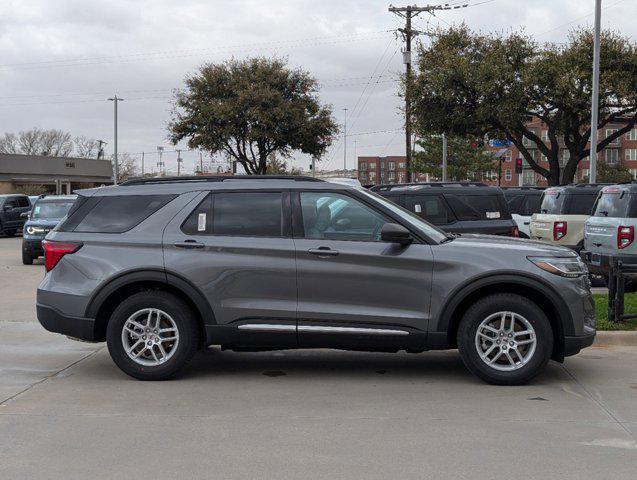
column 505, row 339
column 26, row 258
column 152, row 335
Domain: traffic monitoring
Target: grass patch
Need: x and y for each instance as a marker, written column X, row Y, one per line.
column 601, row 312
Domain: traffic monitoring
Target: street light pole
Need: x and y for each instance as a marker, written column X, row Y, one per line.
column 345, row 143
column 115, row 99
column 592, row 158
column 444, row 157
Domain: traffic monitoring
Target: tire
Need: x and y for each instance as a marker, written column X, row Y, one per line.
column 174, row 314
column 533, row 356
column 10, row 233
column 26, row 258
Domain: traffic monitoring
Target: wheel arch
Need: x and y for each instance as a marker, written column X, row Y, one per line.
column 533, row 288
column 111, row 293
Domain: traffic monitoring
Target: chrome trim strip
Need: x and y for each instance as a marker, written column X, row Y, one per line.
column 267, row 327
column 356, row 330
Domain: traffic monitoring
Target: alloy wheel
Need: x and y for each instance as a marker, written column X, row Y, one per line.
column 150, row 337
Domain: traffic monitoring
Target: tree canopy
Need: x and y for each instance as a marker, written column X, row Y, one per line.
column 50, row 143
column 492, row 85
column 250, row 109
column 465, row 159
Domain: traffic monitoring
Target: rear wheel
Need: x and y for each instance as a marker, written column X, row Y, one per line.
column 152, row 335
column 505, row 339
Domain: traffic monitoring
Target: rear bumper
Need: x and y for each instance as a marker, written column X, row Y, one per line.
column 55, row 321
column 573, row 344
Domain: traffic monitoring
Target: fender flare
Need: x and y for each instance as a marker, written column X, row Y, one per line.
column 519, row 279
column 151, row 275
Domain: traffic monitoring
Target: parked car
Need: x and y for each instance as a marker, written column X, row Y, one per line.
column 161, row 267
column 11, row 209
column 455, row 207
column 46, row 213
column 563, row 212
column 523, row 202
column 610, row 232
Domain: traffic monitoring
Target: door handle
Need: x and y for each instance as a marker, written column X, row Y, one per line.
column 188, row 244
column 323, row 252
column 527, row 223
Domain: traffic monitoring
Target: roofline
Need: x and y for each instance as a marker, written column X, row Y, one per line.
column 216, row 178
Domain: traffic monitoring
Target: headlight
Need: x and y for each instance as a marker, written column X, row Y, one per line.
column 34, row 230
column 571, row 267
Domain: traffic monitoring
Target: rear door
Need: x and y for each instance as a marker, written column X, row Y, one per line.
column 481, row 213
column 434, row 209
column 356, row 291
column 14, row 207
column 236, row 248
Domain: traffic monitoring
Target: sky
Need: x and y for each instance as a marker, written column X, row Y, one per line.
column 61, row 59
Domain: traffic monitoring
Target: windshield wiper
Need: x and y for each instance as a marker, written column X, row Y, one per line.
column 449, row 237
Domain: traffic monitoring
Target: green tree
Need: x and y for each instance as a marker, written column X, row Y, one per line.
column 611, row 174
column 278, row 166
column 465, row 160
column 478, row 84
column 250, row 109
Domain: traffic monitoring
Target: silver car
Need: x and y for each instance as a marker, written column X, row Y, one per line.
column 159, row 268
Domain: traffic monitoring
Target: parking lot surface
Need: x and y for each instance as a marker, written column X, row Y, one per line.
column 67, row 412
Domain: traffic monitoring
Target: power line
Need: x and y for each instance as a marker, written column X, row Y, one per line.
column 577, row 19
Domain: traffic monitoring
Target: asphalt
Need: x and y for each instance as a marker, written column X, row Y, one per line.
column 67, row 412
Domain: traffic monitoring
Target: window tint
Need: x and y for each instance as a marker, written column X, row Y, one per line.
column 335, row 216
column 531, row 204
column 432, row 208
column 477, row 207
column 199, row 222
column 552, row 201
column 616, row 204
column 580, row 204
column 515, row 204
column 22, row 201
column 119, row 214
column 258, row 214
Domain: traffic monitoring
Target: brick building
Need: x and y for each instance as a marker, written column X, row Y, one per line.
column 623, row 151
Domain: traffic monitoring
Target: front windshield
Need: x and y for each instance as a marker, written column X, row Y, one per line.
column 52, row 210
column 413, row 220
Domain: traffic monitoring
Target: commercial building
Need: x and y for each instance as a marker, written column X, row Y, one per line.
column 59, row 175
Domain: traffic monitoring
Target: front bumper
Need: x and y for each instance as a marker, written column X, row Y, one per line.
column 55, row 321
column 32, row 245
column 573, row 344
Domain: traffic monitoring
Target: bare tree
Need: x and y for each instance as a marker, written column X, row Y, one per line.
column 85, row 147
column 9, row 143
column 127, row 166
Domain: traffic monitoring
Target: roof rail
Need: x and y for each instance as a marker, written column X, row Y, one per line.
column 384, row 188
column 216, row 178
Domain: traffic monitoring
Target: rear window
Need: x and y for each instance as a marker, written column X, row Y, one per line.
column 558, row 202
column 432, row 208
column 616, row 204
column 478, row 207
column 531, row 205
column 552, row 201
column 516, row 204
column 112, row 214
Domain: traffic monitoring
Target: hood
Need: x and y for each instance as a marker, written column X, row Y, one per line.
column 527, row 246
column 43, row 222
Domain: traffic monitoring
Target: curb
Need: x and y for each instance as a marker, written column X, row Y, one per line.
column 615, row 339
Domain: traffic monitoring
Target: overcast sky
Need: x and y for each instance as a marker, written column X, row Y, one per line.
column 61, row 59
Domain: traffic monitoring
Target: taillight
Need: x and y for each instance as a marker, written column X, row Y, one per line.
column 54, row 251
column 625, row 236
column 515, row 232
column 559, row 230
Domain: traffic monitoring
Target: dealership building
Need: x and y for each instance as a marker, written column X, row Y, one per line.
column 60, row 175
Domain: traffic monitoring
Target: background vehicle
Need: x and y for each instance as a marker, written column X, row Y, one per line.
column 11, row 209
column 465, row 207
column 46, row 213
column 160, row 267
column 563, row 212
column 523, row 202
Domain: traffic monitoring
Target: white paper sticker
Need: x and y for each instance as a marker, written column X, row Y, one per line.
column 201, row 222
column 417, row 208
column 493, row 214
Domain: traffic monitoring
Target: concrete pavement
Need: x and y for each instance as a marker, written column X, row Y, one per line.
column 67, row 412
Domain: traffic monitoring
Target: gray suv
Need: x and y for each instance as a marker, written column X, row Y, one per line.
column 161, row 267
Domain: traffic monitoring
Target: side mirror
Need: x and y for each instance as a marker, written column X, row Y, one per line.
column 394, row 233
column 24, row 215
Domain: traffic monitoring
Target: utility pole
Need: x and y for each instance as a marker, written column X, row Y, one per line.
column 142, row 164
column 408, row 13
column 100, row 149
column 314, row 166
column 592, row 177
column 345, row 143
column 115, row 99
column 201, row 162
column 444, row 157
column 179, row 160
column 160, row 164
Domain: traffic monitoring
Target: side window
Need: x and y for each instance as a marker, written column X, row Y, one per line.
column 334, row 216
column 432, row 208
column 11, row 202
column 120, row 214
column 22, row 202
column 531, row 204
column 516, row 204
column 199, row 222
column 256, row 214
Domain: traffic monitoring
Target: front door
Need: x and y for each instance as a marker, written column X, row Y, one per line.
column 356, row 291
column 237, row 249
